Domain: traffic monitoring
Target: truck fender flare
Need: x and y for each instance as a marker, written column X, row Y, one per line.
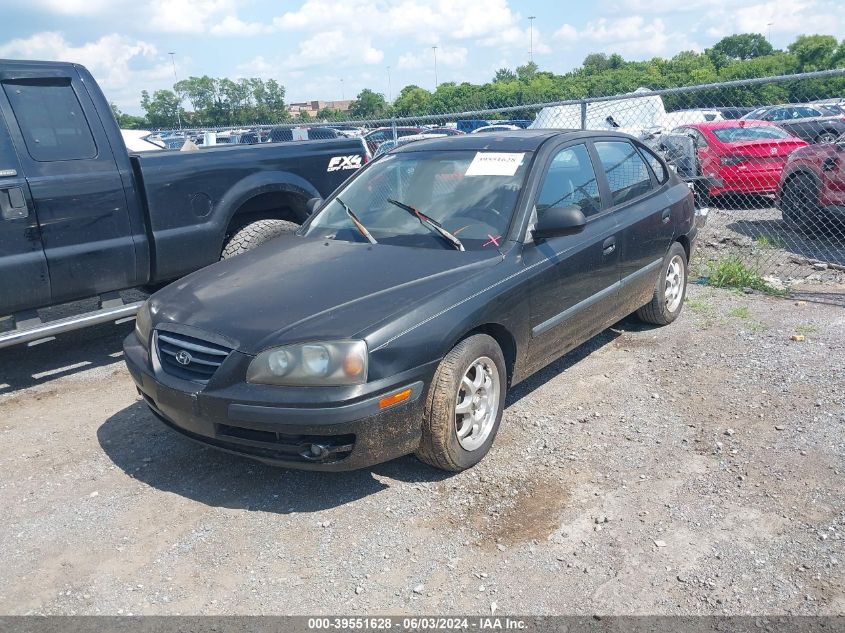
column 260, row 183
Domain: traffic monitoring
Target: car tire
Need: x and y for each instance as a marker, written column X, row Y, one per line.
column 468, row 383
column 828, row 136
column 670, row 289
column 255, row 234
column 799, row 204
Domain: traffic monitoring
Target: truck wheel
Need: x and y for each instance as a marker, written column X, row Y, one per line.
column 799, row 203
column 670, row 289
column 255, row 234
column 464, row 405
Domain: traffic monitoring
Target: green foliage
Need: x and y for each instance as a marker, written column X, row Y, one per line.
column 368, row 105
column 742, row 46
column 162, row 108
column 226, row 102
column 814, row 52
column 128, row 121
column 733, row 273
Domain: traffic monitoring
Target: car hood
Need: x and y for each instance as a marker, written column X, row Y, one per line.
column 298, row 288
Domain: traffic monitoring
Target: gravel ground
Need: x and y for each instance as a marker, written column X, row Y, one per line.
column 693, row 469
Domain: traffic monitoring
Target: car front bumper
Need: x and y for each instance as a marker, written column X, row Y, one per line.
column 334, row 436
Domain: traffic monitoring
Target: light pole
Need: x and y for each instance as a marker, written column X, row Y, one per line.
column 389, row 90
column 434, row 48
column 342, row 93
column 531, row 37
column 176, row 81
column 769, row 36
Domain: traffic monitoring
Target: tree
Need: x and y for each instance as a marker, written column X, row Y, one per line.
column 127, row 121
column 743, row 46
column 526, row 72
column 368, row 104
column 412, row 100
column 504, row 74
column 303, row 115
column 162, row 108
column 814, row 52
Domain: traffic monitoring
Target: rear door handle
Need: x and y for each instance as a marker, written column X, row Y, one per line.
column 13, row 203
column 666, row 215
column 609, row 245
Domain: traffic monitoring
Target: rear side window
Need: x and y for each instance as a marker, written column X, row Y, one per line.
column 51, row 121
column 656, row 166
column 570, row 182
column 627, row 174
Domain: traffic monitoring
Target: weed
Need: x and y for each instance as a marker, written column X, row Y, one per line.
column 739, row 313
column 770, row 241
column 806, row 329
column 733, row 273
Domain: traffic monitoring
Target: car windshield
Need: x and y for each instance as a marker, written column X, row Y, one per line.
column 750, row 133
column 471, row 194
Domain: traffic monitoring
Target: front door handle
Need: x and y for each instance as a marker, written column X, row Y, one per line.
column 666, row 215
column 13, row 204
column 609, row 245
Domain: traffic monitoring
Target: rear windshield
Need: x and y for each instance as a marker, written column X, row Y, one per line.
column 750, row 133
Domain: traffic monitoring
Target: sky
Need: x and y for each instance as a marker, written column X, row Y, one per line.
column 331, row 49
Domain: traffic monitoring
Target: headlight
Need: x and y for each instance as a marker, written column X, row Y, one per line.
column 143, row 323
column 324, row 363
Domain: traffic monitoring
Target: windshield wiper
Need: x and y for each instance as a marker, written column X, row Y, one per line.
column 358, row 224
column 432, row 224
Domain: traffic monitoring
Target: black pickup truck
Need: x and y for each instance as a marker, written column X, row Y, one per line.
column 81, row 217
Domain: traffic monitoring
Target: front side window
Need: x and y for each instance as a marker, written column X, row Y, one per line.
column 626, row 171
column 473, row 195
column 656, row 165
column 570, row 182
column 51, row 120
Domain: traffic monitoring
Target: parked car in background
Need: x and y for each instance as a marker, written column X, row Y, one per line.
column 684, row 117
column 404, row 140
column 811, row 195
column 286, row 134
column 814, row 124
column 141, row 141
column 426, row 286
column 496, row 128
column 468, row 125
column 743, row 156
column 378, row 136
column 447, row 131
column 734, row 113
column 83, row 218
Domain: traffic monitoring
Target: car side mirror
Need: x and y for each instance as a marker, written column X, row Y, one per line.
column 559, row 221
column 313, row 205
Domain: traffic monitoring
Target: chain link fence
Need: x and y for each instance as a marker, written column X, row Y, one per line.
column 765, row 155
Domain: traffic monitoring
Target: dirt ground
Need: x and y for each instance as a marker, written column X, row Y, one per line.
column 692, row 469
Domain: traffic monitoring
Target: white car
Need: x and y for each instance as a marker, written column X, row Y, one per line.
column 141, row 141
column 496, row 128
column 389, row 144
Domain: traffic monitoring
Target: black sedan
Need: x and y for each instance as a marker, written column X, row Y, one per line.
column 395, row 320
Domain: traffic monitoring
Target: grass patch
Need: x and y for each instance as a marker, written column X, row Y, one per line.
column 770, row 241
column 739, row 313
column 756, row 326
column 733, row 273
column 700, row 306
column 806, row 329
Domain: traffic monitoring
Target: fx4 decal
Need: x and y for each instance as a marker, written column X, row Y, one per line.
column 344, row 162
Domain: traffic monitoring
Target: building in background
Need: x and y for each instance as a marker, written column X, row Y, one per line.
column 313, row 107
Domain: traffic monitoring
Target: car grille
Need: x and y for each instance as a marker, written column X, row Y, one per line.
column 188, row 357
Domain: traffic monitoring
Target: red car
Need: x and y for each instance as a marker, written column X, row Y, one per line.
column 741, row 156
column 812, row 186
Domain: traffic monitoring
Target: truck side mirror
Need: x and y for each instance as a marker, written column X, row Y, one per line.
column 560, row 221
column 313, row 205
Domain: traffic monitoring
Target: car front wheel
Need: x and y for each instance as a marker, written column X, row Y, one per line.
column 464, row 405
column 669, row 291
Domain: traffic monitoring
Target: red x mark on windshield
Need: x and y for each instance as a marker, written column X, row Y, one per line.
column 493, row 240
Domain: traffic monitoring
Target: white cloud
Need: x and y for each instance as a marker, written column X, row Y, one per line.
column 446, row 57
column 791, row 19
column 188, row 16
column 231, row 25
column 337, row 47
column 113, row 59
column 632, row 36
column 76, row 7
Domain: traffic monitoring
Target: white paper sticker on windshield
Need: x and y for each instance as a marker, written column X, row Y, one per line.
column 495, row 164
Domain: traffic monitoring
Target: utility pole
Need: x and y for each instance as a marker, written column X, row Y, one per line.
column 389, row 90
column 769, row 37
column 342, row 93
column 434, row 48
column 531, row 37
column 176, row 81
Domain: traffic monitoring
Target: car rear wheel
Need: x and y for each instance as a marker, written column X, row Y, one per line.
column 669, row 291
column 464, row 405
column 827, row 137
column 800, row 203
column 255, row 234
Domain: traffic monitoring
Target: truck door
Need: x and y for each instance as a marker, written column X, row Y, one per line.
column 24, row 279
column 73, row 178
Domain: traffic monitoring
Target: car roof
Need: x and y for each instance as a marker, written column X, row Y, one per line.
column 718, row 125
column 510, row 141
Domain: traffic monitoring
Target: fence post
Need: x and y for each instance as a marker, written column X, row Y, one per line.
column 583, row 115
column 393, row 127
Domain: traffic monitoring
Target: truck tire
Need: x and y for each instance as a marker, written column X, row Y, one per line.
column 670, row 289
column 255, row 234
column 464, row 405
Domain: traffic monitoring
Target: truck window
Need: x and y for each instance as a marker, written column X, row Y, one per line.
column 51, row 120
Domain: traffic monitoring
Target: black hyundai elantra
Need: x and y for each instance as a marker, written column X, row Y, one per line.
column 396, row 319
